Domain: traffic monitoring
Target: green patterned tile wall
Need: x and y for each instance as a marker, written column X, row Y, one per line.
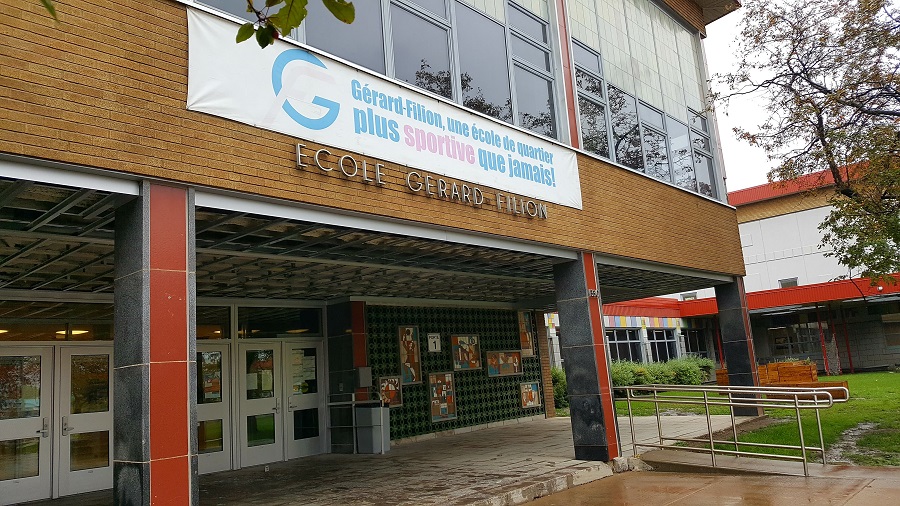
column 479, row 399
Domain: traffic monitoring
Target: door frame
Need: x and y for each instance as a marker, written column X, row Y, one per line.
column 322, row 380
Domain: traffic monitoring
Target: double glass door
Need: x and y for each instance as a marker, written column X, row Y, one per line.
column 54, row 445
column 281, row 401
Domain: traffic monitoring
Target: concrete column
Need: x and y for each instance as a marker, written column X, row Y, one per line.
column 737, row 339
column 155, row 443
column 583, row 350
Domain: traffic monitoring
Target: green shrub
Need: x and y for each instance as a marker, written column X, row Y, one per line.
column 661, row 373
column 560, row 388
column 622, row 373
column 686, row 371
column 680, row 371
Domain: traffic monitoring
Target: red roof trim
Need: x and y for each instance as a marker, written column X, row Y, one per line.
column 769, row 191
column 660, row 307
column 797, row 295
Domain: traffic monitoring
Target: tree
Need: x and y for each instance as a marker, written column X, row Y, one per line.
column 269, row 26
column 827, row 74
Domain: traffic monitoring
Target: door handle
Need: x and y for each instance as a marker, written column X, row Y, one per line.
column 277, row 407
column 45, row 428
column 65, row 426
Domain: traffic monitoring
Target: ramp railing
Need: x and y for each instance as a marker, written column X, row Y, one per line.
column 788, row 398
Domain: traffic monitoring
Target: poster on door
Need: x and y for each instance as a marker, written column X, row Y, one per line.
column 410, row 358
column 443, row 397
column 303, row 371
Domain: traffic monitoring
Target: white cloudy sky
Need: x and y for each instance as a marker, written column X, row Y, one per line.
column 745, row 165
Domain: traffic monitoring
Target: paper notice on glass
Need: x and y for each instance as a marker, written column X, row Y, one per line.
column 252, row 381
column 265, row 379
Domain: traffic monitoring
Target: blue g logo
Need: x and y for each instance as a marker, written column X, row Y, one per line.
column 277, row 84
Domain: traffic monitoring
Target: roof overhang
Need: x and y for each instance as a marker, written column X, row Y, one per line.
column 715, row 9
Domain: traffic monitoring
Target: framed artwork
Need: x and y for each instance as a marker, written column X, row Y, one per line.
column 466, row 352
column 391, row 391
column 530, row 394
column 526, row 333
column 443, row 396
column 410, row 358
column 503, row 363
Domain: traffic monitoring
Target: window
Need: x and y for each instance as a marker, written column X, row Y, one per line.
column 421, row 49
column 591, row 101
column 234, row 7
column 662, row 344
column 624, row 344
column 682, row 159
column 483, row 64
column 532, row 72
column 360, row 43
column 695, row 343
column 787, row 283
column 795, row 340
column 703, row 160
column 689, row 296
column 625, row 129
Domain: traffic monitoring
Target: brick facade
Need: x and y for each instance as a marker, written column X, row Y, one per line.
column 106, row 88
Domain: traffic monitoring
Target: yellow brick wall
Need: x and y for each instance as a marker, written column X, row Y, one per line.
column 106, row 88
column 782, row 205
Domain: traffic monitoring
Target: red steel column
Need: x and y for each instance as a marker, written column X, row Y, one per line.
column 155, row 457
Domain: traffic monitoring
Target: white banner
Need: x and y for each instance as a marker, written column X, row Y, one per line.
column 287, row 89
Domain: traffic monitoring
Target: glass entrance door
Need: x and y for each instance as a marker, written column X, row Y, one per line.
column 25, row 414
column 259, row 412
column 304, row 418
column 213, row 408
column 84, row 419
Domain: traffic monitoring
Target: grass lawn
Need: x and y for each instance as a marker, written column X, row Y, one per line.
column 874, row 398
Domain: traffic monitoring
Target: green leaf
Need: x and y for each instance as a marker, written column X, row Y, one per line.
column 265, row 36
column 289, row 16
column 272, row 3
column 244, row 32
column 50, row 8
column 342, row 9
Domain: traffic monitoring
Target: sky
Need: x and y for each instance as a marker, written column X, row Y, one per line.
column 745, row 166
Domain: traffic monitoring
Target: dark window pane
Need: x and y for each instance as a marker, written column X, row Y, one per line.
column 588, row 83
column 593, row 127
column 656, row 155
column 20, row 458
column 213, row 322
column 436, row 6
column 626, row 135
column 700, row 142
column 533, row 94
column 361, row 42
column 651, row 116
column 699, row 122
column 421, row 52
column 260, row 430
column 682, row 161
column 483, row 62
column 306, row 423
column 89, row 450
column 704, row 169
column 209, row 436
column 527, row 24
column 268, row 322
column 90, row 384
column 20, row 387
column 530, row 53
column 209, row 384
column 237, row 7
column 586, row 59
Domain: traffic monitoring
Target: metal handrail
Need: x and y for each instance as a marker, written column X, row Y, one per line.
column 750, row 397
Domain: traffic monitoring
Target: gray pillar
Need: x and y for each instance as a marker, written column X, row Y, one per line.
column 583, row 351
column 737, row 339
column 155, row 438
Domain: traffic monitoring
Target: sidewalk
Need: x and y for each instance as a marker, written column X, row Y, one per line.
column 507, row 464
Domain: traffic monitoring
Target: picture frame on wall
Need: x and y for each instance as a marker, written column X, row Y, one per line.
column 410, row 355
column 466, row 352
column 443, row 396
column 526, row 333
column 530, row 394
column 391, row 391
column 503, row 363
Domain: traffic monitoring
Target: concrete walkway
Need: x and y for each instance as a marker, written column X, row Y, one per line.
column 511, row 463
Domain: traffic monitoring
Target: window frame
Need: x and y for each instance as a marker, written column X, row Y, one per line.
column 632, row 338
column 592, row 97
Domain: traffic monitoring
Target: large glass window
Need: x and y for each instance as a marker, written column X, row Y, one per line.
column 484, row 77
column 662, row 344
column 532, row 72
column 421, row 51
column 625, row 129
column 703, row 160
column 795, row 340
column 624, row 344
column 359, row 42
column 591, row 102
column 682, row 159
column 695, row 343
column 269, row 322
column 535, row 97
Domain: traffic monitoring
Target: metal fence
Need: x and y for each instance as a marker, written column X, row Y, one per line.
column 789, row 398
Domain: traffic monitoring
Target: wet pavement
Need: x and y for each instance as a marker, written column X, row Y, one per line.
column 658, row 489
column 504, row 464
